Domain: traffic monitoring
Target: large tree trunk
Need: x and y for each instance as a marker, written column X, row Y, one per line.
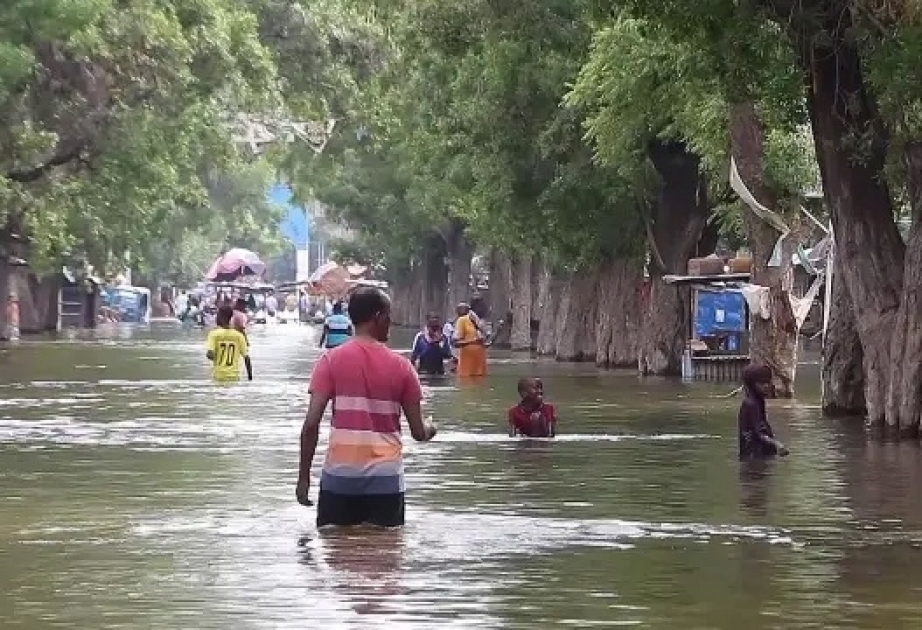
column 435, row 272
column 406, row 296
column 618, row 313
column 5, row 286
column 459, row 254
column 871, row 249
column 680, row 215
column 501, row 297
column 521, row 301
column 843, row 372
column 38, row 302
column 773, row 342
column 904, row 397
column 549, row 291
column 575, row 329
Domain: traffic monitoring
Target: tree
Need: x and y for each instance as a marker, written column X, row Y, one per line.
column 109, row 111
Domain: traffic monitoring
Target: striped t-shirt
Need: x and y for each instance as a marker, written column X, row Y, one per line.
column 368, row 384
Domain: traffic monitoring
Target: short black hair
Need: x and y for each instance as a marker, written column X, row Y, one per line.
column 367, row 302
column 224, row 316
column 338, row 308
column 240, row 304
column 524, row 382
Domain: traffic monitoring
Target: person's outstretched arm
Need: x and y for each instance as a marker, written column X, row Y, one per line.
column 421, row 430
column 321, row 391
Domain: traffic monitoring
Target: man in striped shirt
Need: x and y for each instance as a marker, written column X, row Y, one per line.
column 362, row 479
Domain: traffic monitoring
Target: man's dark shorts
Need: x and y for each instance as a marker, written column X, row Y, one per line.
column 382, row 510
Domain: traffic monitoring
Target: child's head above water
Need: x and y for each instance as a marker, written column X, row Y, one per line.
column 531, row 389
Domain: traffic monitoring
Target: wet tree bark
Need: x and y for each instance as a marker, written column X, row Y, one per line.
column 679, row 217
column 5, row 286
column 435, row 272
column 38, row 302
column 500, row 296
column 459, row 252
column 773, row 342
column 843, row 371
column 869, row 243
column 575, row 325
column 407, row 295
column 617, row 317
column 521, row 301
column 549, row 291
column 904, row 396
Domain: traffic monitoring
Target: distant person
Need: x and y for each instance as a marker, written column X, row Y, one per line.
column 431, row 348
column 469, row 338
column 241, row 319
column 337, row 328
column 532, row 417
column 227, row 349
column 756, row 438
column 181, row 304
column 362, row 480
column 240, row 322
column 272, row 305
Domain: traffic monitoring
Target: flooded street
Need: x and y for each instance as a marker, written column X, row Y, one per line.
column 135, row 494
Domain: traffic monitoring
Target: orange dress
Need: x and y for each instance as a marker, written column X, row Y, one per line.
column 472, row 359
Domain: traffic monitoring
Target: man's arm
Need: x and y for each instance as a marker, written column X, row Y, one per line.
column 421, row 430
column 415, row 353
column 511, row 419
column 210, row 351
column 310, row 433
column 323, row 336
column 245, row 348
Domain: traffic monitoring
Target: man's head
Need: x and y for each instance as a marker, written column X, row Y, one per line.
column 433, row 322
column 224, row 316
column 531, row 390
column 370, row 312
column 338, row 308
column 240, row 304
column 462, row 309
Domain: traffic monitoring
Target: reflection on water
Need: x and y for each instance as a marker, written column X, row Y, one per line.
column 136, row 494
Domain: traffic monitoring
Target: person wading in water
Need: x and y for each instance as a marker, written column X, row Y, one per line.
column 756, row 438
column 470, row 340
column 337, row 329
column 431, row 348
column 362, row 480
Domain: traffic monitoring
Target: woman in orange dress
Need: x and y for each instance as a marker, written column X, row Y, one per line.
column 469, row 339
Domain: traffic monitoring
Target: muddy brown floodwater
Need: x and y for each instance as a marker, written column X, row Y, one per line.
column 134, row 494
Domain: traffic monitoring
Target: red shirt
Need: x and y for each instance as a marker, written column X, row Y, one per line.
column 541, row 422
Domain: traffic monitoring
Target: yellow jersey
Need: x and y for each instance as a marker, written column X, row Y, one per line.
column 228, row 347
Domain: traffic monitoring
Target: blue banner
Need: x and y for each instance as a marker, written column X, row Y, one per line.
column 295, row 226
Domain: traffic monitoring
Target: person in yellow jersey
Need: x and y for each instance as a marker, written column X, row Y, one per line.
column 227, row 349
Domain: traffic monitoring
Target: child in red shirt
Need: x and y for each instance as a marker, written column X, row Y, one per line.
column 532, row 417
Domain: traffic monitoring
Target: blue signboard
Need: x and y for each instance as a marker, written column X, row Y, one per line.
column 723, row 311
column 295, row 225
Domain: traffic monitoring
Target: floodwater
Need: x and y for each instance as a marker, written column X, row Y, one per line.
column 134, row 494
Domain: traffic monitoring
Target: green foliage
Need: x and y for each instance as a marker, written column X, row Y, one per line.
column 235, row 213
column 467, row 125
column 109, row 113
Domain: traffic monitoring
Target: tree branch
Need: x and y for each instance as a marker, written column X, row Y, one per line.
column 36, row 173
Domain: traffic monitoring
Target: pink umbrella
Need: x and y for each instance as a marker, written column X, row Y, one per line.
column 330, row 278
column 234, row 264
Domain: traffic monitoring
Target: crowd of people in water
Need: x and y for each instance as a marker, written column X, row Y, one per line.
column 370, row 386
